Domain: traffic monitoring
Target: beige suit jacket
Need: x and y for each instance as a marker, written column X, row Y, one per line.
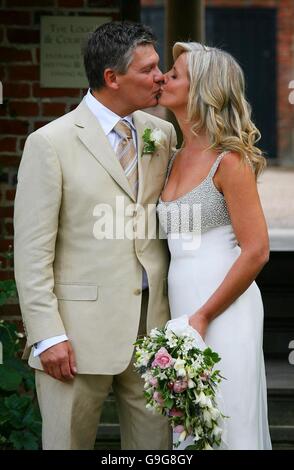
column 69, row 279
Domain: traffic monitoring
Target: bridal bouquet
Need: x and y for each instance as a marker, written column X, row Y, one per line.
column 181, row 383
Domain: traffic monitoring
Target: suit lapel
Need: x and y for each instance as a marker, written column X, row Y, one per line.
column 143, row 159
column 91, row 134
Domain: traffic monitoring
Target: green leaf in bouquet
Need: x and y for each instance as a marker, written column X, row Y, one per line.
column 215, row 357
column 169, row 403
column 211, row 355
column 187, row 422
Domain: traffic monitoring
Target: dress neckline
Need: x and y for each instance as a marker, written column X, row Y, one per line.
column 195, row 187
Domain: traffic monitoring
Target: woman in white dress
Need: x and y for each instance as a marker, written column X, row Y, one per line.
column 215, row 258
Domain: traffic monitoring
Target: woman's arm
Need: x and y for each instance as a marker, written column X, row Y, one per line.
column 237, row 183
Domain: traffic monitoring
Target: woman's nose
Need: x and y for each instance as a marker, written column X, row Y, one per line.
column 165, row 78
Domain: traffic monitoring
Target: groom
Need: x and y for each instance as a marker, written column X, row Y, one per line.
column 84, row 296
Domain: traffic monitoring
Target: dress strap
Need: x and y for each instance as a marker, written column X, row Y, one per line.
column 169, row 166
column 216, row 163
column 170, row 163
column 219, row 159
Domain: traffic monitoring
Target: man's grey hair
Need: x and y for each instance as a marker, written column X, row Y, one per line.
column 112, row 45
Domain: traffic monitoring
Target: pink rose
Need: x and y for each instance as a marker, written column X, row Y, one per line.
column 153, row 381
column 179, row 428
column 158, row 398
column 162, row 359
column 180, row 386
column 175, row 412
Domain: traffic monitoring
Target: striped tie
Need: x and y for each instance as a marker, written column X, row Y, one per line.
column 127, row 155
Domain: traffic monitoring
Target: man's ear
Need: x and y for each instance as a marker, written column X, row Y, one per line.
column 110, row 79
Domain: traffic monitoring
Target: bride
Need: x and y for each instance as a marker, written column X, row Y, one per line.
column 214, row 262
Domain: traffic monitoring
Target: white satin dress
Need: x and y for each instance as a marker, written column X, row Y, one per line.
column 202, row 250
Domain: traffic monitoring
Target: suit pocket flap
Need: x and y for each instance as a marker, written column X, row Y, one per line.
column 76, row 292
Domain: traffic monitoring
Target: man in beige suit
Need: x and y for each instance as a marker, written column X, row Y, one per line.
column 85, row 291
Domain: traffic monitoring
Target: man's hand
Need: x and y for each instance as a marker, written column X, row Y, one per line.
column 59, row 361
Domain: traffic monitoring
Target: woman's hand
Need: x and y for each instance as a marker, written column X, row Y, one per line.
column 199, row 322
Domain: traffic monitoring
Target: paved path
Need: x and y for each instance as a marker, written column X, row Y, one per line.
column 276, row 190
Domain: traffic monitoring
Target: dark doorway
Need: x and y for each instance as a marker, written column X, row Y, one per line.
column 250, row 35
column 154, row 17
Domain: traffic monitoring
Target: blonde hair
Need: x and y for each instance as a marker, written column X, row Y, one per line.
column 217, row 103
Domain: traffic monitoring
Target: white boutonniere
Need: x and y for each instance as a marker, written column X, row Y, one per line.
column 153, row 139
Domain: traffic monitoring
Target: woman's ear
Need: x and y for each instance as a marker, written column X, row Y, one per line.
column 110, row 79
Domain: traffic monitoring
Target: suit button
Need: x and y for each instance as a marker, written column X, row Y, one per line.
column 137, row 291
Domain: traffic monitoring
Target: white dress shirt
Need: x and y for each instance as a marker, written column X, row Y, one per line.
column 107, row 120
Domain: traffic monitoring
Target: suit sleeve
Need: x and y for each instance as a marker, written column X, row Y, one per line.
column 37, row 205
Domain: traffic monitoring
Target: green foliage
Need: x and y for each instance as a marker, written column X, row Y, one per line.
column 20, row 421
column 149, row 144
column 7, row 290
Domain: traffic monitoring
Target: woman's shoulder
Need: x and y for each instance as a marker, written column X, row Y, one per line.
column 232, row 162
column 230, row 159
column 233, row 172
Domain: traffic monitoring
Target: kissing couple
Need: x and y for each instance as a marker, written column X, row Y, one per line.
column 84, row 298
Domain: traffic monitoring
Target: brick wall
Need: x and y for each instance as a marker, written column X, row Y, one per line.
column 26, row 106
column 285, row 67
column 285, row 64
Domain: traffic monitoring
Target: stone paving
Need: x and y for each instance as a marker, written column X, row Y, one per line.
column 276, row 190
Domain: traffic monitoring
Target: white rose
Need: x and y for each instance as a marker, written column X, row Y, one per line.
column 214, row 413
column 157, row 136
column 217, row 432
column 202, row 399
column 154, row 333
column 143, row 359
column 191, row 383
column 207, row 418
column 179, row 366
column 208, row 403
